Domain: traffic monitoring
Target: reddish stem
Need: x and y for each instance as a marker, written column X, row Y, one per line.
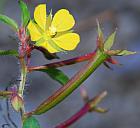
column 90, row 106
column 64, row 63
column 75, row 117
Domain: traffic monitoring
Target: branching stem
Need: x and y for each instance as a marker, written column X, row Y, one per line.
column 90, row 106
column 63, row 63
column 74, row 83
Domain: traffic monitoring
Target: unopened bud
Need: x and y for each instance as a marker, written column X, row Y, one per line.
column 17, row 102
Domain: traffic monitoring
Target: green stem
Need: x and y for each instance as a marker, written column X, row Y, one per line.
column 22, row 82
column 74, row 83
column 23, row 76
column 23, row 66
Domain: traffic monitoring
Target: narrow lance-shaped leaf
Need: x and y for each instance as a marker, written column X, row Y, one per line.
column 31, row 122
column 120, row 52
column 10, row 22
column 57, row 75
column 100, row 33
column 25, row 14
column 8, row 52
column 100, row 40
column 109, row 42
column 125, row 53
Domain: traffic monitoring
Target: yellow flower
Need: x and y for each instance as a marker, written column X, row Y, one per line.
column 53, row 34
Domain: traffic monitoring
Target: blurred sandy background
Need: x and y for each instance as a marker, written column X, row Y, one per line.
column 122, row 84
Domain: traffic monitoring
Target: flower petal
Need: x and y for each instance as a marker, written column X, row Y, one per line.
column 51, row 49
column 40, row 15
column 34, row 31
column 63, row 20
column 46, row 45
column 67, row 41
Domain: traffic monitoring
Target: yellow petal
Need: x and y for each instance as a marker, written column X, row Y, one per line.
column 34, row 31
column 42, row 44
column 63, row 20
column 47, row 46
column 51, row 49
column 40, row 15
column 67, row 41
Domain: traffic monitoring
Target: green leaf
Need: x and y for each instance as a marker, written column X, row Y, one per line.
column 9, row 21
column 126, row 53
column 31, row 122
column 110, row 41
column 8, row 52
column 25, row 14
column 57, row 75
column 100, row 40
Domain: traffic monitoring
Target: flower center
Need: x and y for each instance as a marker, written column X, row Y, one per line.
column 51, row 31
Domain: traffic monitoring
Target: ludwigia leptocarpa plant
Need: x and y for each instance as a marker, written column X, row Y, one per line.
column 50, row 35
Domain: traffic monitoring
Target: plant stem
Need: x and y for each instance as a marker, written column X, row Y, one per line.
column 23, row 76
column 74, row 83
column 63, row 63
column 90, row 106
column 22, row 83
column 22, row 49
column 75, row 117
